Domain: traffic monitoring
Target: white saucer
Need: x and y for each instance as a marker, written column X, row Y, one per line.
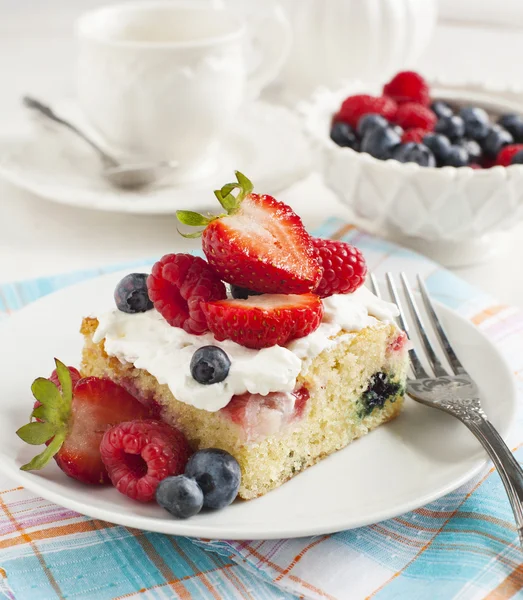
column 266, row 143
column 419, row 457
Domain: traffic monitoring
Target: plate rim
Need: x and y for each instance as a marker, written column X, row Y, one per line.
column 193, row 529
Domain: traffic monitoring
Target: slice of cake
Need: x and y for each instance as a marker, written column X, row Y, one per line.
column 225, row 376
column 280, row 409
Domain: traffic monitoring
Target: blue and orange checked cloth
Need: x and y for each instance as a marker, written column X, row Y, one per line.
column 463, row 546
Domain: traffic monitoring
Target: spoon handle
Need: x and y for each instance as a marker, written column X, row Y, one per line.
column 48, row 112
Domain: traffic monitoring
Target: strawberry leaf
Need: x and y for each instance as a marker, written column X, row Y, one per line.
column 66, row 383
column 40, row 460
column 36, row 433
column 246, row 184
column 193, row 219
column 49, row 413
column 45, row 391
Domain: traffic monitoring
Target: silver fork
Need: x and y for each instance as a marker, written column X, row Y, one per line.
column 455, row 393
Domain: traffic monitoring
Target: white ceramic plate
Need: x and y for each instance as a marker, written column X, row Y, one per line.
column 266, row 142
column 415, row 459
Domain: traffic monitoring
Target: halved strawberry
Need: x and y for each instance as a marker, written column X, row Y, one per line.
column 259, row 244
column 264, row 321
column 72, row 424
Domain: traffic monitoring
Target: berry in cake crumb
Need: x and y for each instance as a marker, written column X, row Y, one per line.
column 452, row 127
column 131, row 295
column 416, row 153
column 476, row 122
column 209, row 365
column 264, row 321
column 178, row 284
column 140, row 454
column 473, row 150
column 180, row 495
column 354, row 107
column 343, row 135
column 73, row 422
column 369, row 122
column 380, row 143
column 439, row 145
column 242, row 293
column 260, row 244
column 495, row 140
column 442, row 109
column 507, row 153
column 416, row 134
column 408, row 86
column 517, row 159
column 412, row 115
column 513, row 123
column 344, row 268
column 218, row 474
column 380, row 389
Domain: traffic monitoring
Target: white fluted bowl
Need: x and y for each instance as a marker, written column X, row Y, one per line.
column 448, row 213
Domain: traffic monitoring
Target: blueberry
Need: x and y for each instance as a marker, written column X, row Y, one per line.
column 412, row 152
column 210, row 364
column 517, row 159
column 398, row 129
column 343, row 135
column 438, row 144
column 453, row 127
column 496, row 138
column 442, row 109
column 131, row 295
column 457, row 156
column 379, row 390
column 380, row 143
column 476, row 122
column 218, row 475
column 242, row 293
column 473, row 149
column 369, row 122
column 513, row 123
column 180, row 495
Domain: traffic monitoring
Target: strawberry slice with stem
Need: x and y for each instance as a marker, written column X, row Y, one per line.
column 258, row 243
column 264, row 321
column 72, row 423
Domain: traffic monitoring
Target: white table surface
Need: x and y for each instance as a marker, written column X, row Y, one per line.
column 40, row 238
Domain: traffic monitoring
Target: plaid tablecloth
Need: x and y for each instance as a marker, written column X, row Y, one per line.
column 461, row 546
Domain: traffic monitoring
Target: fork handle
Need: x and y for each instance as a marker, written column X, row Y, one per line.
column 506, row 464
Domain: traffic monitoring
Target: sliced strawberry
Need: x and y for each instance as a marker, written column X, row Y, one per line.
column 260, row 244
column 264, row 321
column 72, row 424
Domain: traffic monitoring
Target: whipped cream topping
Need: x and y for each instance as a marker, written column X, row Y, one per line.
column 148, row 342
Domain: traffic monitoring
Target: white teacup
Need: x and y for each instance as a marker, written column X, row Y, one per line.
column 162, row 80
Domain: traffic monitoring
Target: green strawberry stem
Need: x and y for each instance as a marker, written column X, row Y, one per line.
column 54, row 413
column 228, row 201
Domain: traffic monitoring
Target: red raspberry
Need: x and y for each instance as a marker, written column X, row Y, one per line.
column 506, row 154
column 354, row 107
column 344, row 267
column 416, row 134
column 139, row 454
column 408, row 86
column 411, row 115
column 177, row 286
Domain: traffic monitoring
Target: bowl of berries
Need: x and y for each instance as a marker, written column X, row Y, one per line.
column 439, row 169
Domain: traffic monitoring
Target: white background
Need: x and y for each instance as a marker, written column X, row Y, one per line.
column 37, row 56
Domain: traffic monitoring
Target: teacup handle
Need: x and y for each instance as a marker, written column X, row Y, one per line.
column 271, row 34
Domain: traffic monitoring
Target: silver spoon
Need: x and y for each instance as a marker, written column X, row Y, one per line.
column 125, row 176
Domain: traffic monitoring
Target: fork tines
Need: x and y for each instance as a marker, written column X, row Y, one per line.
column 436, row 365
